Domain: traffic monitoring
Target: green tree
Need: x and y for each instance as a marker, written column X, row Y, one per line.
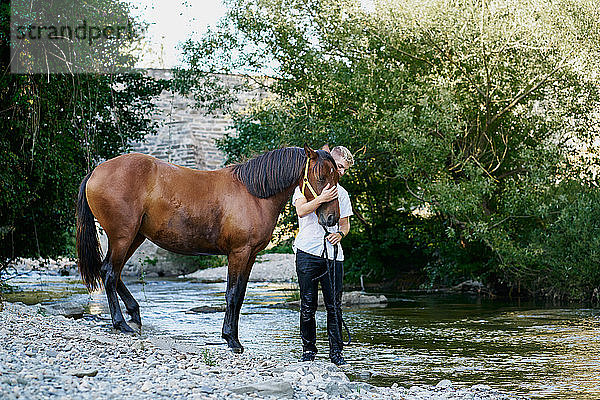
column 469, row 119
column 53, row 129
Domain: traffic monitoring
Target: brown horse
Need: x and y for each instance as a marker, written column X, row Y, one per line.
column 230, row 211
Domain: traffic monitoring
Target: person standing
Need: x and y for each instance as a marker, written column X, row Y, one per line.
column 311, row 266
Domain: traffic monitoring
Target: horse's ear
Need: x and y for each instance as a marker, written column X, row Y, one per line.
column 310, row 153
column 326, row 148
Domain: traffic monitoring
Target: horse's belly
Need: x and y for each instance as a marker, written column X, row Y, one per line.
column 184, row 235
column 196, row 250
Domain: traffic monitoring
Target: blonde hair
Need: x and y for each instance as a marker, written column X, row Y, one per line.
column 345, row 153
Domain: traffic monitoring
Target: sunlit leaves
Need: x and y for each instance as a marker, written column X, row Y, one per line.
column 484, row 113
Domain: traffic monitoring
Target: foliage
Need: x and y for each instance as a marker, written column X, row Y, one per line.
column 4, row 286
column 558, row 256
column 53, row 130
column 473, row 124
column 282, row 245
column 95, row 36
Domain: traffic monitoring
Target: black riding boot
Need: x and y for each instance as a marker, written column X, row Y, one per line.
column 308, row 326
column 333, row 304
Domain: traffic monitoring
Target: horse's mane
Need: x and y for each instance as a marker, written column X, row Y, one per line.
column 272, row 172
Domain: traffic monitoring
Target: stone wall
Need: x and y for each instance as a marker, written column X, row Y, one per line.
column 186, row 135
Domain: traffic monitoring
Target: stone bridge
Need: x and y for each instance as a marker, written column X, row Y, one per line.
column 186, row 135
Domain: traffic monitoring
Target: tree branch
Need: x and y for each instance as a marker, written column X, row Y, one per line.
column 526, row 92
column 361, row 218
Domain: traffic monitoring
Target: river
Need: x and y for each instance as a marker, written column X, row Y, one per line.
column 529, row 349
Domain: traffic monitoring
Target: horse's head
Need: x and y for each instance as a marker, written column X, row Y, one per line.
column 320, row 170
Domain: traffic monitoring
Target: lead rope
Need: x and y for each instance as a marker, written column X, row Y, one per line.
column 331, row 270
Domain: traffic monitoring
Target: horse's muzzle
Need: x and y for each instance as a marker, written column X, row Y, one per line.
column 328, row 219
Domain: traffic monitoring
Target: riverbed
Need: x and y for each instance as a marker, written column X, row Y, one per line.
column 531, row 350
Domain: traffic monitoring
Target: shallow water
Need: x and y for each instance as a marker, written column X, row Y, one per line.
column 527, row 349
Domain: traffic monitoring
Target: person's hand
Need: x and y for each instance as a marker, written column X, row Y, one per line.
column 334, row 238
column 328, row 194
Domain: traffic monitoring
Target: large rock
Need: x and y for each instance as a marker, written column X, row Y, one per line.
column 67, row 309
column 72, row 307
column 282, row 390
column 361, row 298
column 321, row 380
column 356, row 298
column 471, row 287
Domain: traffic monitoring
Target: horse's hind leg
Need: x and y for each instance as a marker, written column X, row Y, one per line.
column 111, row 271
column 132, row 306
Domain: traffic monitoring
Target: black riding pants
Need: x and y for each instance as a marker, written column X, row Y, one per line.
column 312, row 270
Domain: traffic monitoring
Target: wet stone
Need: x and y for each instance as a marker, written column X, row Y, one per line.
column 84, row 372
column 204, row 389
column 51, row 353
column 267, row 388
column 444, row 384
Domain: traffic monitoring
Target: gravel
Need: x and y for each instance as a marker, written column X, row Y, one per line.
column 45, row 356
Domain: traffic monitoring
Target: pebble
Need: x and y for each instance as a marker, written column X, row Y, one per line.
column 84, row 372
column 146, row 386
column 444, row 384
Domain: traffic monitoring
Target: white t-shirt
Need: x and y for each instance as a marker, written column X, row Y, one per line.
column 310, row 234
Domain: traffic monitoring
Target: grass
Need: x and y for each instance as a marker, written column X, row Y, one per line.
column 207, row 358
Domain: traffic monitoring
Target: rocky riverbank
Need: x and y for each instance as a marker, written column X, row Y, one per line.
column 45, row 356
column 267, row 268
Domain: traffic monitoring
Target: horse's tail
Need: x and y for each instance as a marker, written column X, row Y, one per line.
column 88, row 246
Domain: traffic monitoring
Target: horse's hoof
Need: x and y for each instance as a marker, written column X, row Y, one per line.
column 136, row 325
column 234, row 344
column 124, row 328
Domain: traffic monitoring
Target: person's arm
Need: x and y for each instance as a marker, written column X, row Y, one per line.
column 336, row 237
column 303, row 207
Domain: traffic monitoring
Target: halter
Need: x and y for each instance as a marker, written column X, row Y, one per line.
column 305, row 181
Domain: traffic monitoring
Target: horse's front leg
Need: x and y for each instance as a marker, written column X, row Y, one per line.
column 240, row 264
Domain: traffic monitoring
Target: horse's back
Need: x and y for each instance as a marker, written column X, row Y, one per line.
column 180, row 209
column 122, row 168
column 137, row 175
